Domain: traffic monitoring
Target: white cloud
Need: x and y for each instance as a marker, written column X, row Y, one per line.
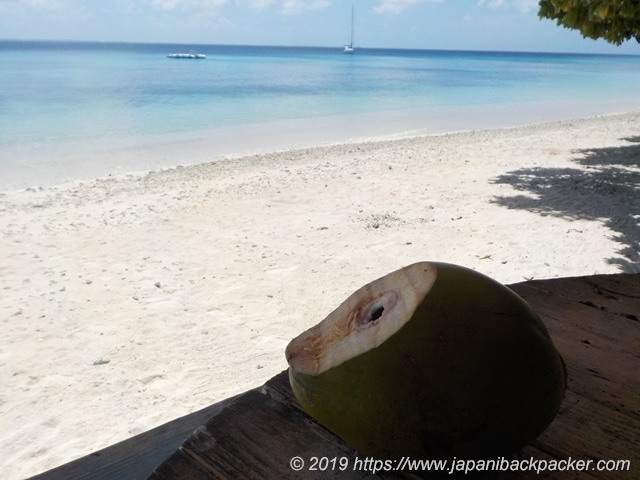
column 258, row 5
column 182, row 4
column 43, row 5
column 524, row 6
column 294, row 7
column 490, row 3
column 44, row 8
column 166, row 4
column 286, row 7
column 398, row 6
column 527, row 6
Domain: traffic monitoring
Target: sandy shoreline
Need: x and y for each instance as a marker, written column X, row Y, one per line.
column 131, row 301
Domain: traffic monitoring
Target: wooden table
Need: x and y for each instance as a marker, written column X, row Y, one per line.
column 594, row 322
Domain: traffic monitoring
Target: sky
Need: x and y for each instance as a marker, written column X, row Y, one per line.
column 505, row 25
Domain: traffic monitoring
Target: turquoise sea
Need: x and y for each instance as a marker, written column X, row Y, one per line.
column 72, row 110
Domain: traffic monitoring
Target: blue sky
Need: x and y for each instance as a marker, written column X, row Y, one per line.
column 423, row 24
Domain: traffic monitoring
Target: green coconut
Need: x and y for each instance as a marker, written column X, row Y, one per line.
column 431, row 361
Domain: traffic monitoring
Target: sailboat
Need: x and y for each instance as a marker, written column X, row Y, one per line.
column 349, row 48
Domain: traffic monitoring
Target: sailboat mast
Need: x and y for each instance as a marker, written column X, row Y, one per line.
column 349, row 48
column 351, row 44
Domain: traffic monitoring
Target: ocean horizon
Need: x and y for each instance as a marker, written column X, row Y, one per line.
column 80, row 110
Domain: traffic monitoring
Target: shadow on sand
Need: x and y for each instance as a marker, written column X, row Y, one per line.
column 607, row 190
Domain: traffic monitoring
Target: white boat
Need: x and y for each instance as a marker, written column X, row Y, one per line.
column 350, row 48
column 186, row 55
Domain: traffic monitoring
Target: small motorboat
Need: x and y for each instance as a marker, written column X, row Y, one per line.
column 186, row 55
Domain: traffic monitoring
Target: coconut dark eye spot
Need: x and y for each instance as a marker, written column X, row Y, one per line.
column 373, row 313
column 376, row 314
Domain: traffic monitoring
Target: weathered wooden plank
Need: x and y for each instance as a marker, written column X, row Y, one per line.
column 616, row 292
column 279, row 389
column 586, row 429
column 618, row 295
column 181, row 467
column 593, row 321
column 255, row 437
column 601, row 347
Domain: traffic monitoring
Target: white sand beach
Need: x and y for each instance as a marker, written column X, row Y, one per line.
column 133, row 300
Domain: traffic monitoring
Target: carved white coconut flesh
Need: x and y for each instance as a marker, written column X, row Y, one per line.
column 432, row 361
column 364, row 321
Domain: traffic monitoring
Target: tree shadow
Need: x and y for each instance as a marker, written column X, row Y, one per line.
column 606, row 189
